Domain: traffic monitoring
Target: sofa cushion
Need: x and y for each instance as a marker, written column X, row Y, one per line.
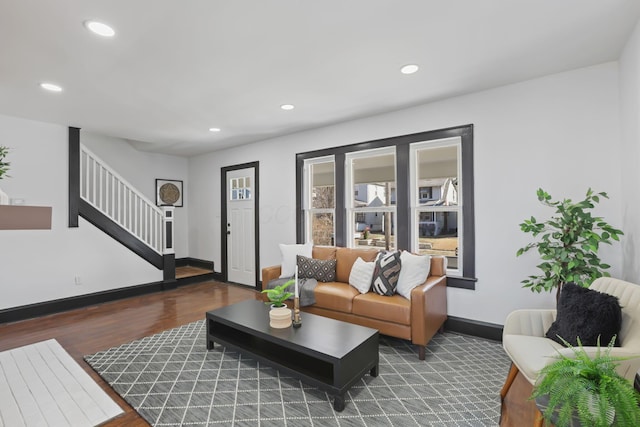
column 321, row 270
column 289, row 253
column 413, row 272
column 361, row 275
column 386, row 273
column 335, row 296
column 345, row 257
column 394, row 309
column 324, row 252
column 587, row 314
column 530, row 354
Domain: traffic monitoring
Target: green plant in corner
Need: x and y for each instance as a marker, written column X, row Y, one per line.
column 587, row 388
column 4, row 166
column 278, row 295
column 568, row 243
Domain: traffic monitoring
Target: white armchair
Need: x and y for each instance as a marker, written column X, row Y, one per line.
column 524, row 340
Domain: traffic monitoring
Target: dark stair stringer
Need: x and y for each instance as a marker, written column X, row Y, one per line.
column 104, row 223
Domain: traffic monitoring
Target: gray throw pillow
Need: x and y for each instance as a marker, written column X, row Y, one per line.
column 319, row 269
column 386, row 273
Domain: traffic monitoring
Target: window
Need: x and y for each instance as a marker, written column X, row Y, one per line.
column 436, row 207
column 240, row 188
column 412, row 192
column 320, row 200
column 372, row 176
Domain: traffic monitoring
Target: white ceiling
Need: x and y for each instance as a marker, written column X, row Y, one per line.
column 177, row 68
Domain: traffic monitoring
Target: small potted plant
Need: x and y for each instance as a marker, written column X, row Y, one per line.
column 587, row 391
column 280, row 314
column 278, row 295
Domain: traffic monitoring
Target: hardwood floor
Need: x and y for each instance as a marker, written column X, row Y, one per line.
column 99, row 327
column 517, row 409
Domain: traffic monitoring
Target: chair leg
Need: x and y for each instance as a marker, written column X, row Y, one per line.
column 539, row 420
column 513, row 373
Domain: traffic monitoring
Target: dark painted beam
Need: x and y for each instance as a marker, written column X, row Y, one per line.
column 74, row 175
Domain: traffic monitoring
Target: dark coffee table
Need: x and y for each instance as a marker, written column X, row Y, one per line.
column 327, row 353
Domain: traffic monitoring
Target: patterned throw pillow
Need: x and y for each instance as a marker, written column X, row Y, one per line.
column 321, row 270
column 386, row 273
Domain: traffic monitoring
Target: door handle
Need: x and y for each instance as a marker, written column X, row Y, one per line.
column 228, row 232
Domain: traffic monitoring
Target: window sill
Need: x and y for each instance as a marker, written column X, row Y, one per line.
column 462, row 282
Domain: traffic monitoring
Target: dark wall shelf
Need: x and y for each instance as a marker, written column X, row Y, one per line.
column 25, row 217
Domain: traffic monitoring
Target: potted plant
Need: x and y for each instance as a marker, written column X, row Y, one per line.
column 280, row 314
column 278, row 295
column 587, row 390
column 4, row 168
column 568, row 243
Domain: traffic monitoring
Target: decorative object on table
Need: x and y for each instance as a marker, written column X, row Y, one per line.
column 280, row 317
column 568, row 243
column 169, row 192
column 4, row 168
column 297, row 322
column 280, row 314
column 278, row 295
column 586, row 389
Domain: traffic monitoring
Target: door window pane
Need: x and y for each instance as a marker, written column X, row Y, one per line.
column 240, row 188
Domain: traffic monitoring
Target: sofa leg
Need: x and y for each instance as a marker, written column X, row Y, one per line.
column 421, row 352
column 513, row 373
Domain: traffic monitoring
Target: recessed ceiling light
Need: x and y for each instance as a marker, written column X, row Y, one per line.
column 214, row 129
column 287, row 107
column 100, row 28
column 409, row 69
column 51, row 87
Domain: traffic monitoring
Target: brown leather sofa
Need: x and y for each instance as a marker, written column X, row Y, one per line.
column 417, row 320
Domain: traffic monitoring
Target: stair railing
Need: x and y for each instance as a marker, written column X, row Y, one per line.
column 108, row 192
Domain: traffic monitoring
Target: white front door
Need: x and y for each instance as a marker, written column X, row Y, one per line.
column 241, row 236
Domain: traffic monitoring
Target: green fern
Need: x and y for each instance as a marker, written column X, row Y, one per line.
column 589, row 388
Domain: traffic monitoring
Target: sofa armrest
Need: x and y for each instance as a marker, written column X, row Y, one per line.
column 270, row 273
column 428, row 309
column 529, row 322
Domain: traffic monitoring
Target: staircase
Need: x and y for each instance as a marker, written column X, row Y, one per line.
column 105, row 199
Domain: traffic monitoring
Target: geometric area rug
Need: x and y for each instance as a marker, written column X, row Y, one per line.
column 42, row 385
column 172, row 380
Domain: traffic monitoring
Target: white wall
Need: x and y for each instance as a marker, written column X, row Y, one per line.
column 41, row 265
column 141, row 169
column 630, row 118
column 560, row 132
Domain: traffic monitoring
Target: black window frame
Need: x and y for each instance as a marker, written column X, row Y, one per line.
column 402, row 144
